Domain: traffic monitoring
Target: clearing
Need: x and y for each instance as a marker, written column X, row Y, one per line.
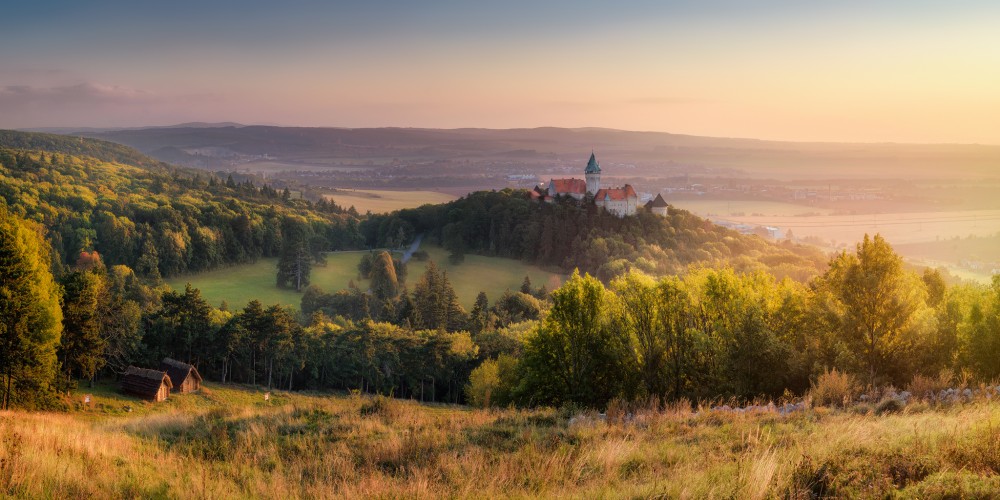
column 726, row 208
column 382, row 201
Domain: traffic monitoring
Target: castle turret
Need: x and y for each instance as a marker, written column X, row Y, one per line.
column 593, row 173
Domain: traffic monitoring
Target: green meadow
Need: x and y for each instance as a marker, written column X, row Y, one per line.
column 238, row 285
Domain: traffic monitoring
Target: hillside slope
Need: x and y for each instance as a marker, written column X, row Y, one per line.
column 228, row 442
column 508, row 223
column 158, row 219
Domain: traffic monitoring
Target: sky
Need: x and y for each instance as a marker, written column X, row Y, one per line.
column 858, row 71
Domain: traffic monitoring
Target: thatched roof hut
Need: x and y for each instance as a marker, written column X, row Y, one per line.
column 148, row 384
column 185, row 377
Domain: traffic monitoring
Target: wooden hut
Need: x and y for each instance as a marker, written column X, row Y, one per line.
column 148, row 384
column 185, row 377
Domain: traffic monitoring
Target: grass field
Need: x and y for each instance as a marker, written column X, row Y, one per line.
column 380, row 201
column 898, row 228
column 238, row 285
column 227, row 442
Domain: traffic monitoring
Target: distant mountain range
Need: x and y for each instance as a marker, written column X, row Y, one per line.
column 190, row 143
column 99, row 130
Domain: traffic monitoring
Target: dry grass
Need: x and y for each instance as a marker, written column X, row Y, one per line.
column 382, row 201
column 352, row 447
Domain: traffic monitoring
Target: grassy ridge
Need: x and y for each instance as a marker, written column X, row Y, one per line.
column 240, row 284
column 228, row 442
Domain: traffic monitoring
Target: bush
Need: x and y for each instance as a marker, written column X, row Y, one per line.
column 482, row 382
column 926, row 387
column 380, row 406
column 833, row 388
column 889, row 405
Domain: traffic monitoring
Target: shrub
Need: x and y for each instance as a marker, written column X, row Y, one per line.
column 482, row 382
column 833, row 388
column 380, row 406
column 924, row 387
column 889, row 405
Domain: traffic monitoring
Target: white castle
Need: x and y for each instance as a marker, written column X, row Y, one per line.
column 620, row 201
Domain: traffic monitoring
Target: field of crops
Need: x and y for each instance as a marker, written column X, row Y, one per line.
column 381, row 201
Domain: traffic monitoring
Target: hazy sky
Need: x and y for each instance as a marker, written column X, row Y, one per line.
column 891, row 70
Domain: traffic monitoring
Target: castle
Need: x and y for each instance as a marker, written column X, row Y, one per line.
column 620, row 201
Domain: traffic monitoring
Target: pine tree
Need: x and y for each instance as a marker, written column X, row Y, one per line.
column 479, row 317
column 30, row 315
column 81, row 350
column 294, row 266
column 435, row 302
column 526, row 285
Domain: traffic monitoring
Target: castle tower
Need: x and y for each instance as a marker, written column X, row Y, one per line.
column 593, row 173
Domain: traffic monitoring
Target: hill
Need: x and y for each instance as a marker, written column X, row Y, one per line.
column 228, row 442
column 77, row 146
column 158, row 219
column 572, row 235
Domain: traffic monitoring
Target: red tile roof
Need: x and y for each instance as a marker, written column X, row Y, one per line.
column 616, row 193
column 576, row 186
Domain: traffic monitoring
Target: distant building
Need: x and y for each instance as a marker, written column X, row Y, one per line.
column 593, row 175
column 619, row 201
column 658, row 205
column 147, row 384
column 575, row 188
column 184, row 377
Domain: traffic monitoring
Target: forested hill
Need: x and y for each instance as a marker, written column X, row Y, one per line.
column 572, row 235
column 159, row 220
column 78, row 146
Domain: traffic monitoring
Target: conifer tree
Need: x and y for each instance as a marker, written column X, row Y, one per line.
column 479, row 317
column 30, row 315
column 81, row 350
column 435, row 302
column 526, row 285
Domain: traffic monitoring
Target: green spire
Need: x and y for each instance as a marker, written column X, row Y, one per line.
column 592, row 166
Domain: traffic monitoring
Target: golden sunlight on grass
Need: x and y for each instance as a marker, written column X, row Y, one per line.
column 317, row 446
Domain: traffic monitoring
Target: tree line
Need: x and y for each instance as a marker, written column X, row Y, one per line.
column 718, row 333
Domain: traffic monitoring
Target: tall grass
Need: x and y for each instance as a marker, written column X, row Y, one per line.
column 354, row 447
